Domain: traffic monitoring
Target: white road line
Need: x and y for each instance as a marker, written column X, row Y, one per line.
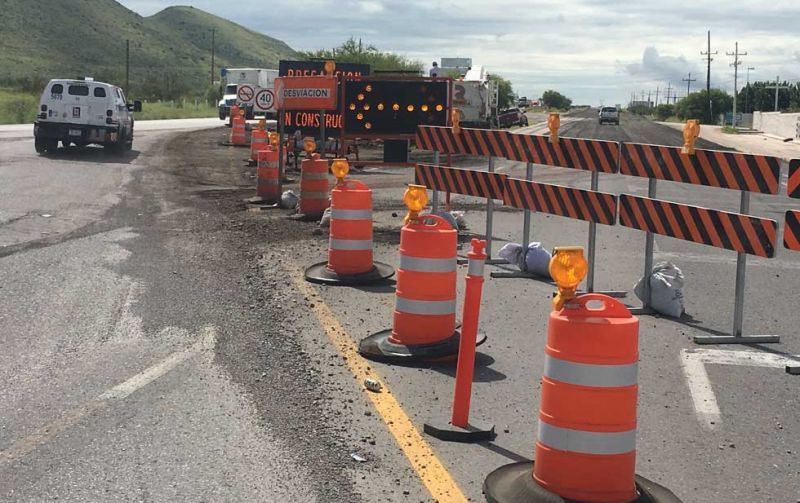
column 119, row 392
column 694, row 362
column 705, row 402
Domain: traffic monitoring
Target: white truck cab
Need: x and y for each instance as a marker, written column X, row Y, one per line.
column 227, row 101
column 83, row 112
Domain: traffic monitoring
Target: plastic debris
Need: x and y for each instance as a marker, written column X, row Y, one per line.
column 358, row 458
column 372, row 385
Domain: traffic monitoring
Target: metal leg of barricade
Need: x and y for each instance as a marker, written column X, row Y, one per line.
column 736, row 336
column 592, row 248
column 649, row 242
column 435, row 197
column 490, row 224
column 526, row 215
column 281, row 163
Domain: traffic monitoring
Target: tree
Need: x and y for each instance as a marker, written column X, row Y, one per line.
column 354, row 51
column 695, row 106
column 664, row 111
column 505, row 93
column 759, row 97
column 554, row 99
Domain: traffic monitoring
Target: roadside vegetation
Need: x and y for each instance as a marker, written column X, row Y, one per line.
column 555, row 100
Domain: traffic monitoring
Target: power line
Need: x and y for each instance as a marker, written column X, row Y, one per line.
column 777, row 88
column 689, row 83
column 709, row 59
column 735, row 65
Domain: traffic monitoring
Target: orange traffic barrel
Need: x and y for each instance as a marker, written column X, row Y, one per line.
column 259, row 140
column 314, row 187
column 268, row 182
column 350, row 260
column 238, row 134
column 424, row 320
column 234, row 112
column 586, row 442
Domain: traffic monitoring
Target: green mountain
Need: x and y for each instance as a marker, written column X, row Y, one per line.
column 170, row 52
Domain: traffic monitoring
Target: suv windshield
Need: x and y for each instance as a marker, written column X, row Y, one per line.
column 609, row 109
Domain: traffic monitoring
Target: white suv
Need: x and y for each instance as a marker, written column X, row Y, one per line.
column 81, row 112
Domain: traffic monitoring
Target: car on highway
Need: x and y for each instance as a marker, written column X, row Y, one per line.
column 512, row 117
column 609, row 115
column 82, row 112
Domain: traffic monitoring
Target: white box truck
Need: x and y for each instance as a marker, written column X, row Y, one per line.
column 476, row 97
column 252, row 89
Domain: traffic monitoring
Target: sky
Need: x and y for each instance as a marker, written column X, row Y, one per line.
column 593, row 51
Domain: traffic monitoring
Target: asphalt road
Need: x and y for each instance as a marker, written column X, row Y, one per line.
column 162, row 345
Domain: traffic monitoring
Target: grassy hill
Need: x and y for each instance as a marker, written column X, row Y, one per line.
column 170, row 51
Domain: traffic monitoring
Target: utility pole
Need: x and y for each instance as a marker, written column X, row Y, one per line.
column 747, row 92
column 127, row 66
column 777, row 88
column 709, row 59
column 648, row 99
column 689, row 81
column 735, row 65
column 668, row 91
column 213, row 51
column 658, row 89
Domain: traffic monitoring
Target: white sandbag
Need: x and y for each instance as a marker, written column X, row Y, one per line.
column 666, row 289
column 537, row 260
column 326, row 218
column 289, row 200
column 514, row 254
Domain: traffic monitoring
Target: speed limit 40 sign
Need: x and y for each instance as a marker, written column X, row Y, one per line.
column 265, row 100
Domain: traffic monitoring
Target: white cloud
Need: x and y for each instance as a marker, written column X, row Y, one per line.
column 588, row 49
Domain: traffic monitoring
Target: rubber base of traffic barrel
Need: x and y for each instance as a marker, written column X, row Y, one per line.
column 306, row 217
column 514, row 483
column 443, row 429
column 319, row 273
column 229, row 144
column 379, row 348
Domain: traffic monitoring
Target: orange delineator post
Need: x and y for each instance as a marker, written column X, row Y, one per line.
column 350, row 249
column 469, row 334
column 238, row 134
column 259, row 140
column 268, row 183
column 314, row 186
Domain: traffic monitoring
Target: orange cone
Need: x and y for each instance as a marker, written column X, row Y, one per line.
column 424, row 322
column 314, row 187
column 586, row 443
column 350, row 260
column 238, row 134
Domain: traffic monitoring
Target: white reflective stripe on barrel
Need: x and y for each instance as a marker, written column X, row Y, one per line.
column 313, row 195
column 314, row 176
column 587, row 442
column 350, row 244
column 587, row 374
column 418, row 264
column 476, row 267
column 429, row 307
column 340, row 214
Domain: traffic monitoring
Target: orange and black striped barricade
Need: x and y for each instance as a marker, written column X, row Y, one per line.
column 791, row 231
column 350, row 258
column 314, row 187
column 793, row 183
column 589, row 205
column 740, row 232
column 595, row 156
column 586, row 441
column 484, row 184
column 424, row 321
column 259, row 140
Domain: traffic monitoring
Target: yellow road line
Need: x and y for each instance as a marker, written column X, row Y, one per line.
column 423, row 460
